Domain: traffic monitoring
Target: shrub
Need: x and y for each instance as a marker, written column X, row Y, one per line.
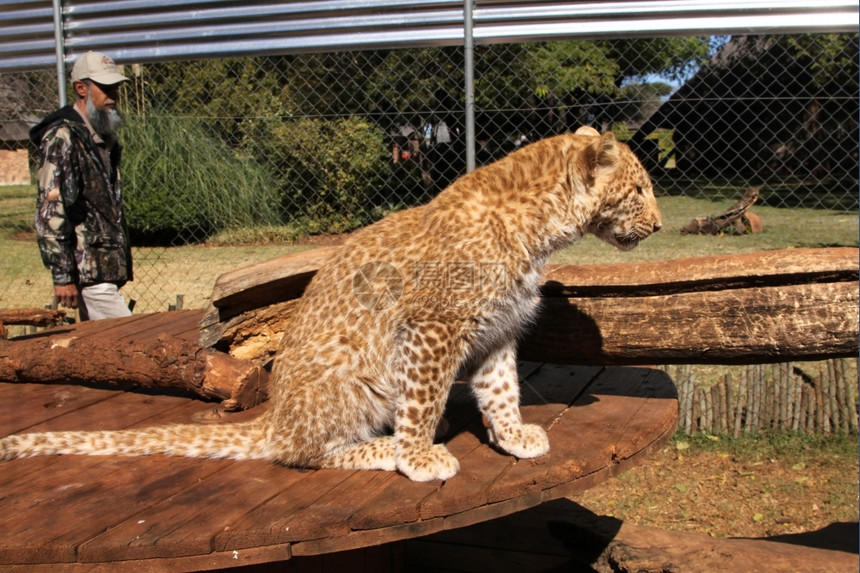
column 181, row 183
column 333, row 169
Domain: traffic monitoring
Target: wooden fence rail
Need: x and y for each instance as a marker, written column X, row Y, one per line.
column 780, row 397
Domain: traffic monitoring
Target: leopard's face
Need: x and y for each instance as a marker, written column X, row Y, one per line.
column 629, row 211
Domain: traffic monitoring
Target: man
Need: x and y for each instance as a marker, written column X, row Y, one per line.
column 79, row 220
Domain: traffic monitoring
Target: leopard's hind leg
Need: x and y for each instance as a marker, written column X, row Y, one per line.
column 377, row 454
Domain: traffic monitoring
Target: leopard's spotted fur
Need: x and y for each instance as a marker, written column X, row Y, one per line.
column 405, row 306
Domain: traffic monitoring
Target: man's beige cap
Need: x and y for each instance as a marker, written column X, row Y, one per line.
column 97, row 67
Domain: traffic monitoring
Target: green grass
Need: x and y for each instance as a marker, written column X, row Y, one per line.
column 783, row 229
column 768, row 445
column 17, row 204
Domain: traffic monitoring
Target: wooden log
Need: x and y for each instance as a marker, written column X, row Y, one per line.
column 262, row 284
column 31, row 316
column 749, row 308
column 165, row 362
column 736, row 220
column 253, row 335
column 736, row 326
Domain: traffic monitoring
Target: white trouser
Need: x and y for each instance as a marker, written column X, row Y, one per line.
column 102, row 301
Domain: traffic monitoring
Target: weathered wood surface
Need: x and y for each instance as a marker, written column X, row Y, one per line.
column 259, row 285
column 137, row 352
column 563, row 536
column 159, row 513
column 747, row 308
column 31, row 316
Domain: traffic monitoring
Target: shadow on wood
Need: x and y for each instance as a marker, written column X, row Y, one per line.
column 563, row 536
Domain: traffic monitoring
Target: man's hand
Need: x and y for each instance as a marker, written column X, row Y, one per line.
column 67, row 295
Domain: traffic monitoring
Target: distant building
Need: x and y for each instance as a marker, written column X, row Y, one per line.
column 14, row 152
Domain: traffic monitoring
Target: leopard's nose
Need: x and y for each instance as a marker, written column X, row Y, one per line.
column 657, row 226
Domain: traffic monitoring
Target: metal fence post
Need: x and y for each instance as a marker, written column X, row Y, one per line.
column 60, row 49
column 469, row 72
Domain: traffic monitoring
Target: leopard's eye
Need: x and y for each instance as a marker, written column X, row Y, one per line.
column 639, row 190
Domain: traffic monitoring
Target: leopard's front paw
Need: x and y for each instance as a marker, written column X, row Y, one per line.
column 428, row 464
column 522, row 441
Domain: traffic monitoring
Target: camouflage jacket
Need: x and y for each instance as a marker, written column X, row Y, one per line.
column 79, row 221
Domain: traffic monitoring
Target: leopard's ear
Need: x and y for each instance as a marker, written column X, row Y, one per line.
column 600, row 157
column 587, row 130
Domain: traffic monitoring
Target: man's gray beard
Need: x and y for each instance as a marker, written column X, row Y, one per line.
column 105, row 122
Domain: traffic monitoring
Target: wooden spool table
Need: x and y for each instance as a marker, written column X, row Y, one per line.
column 159, row 513
column 162, row 513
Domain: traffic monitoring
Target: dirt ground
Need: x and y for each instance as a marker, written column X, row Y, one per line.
column 757, row 487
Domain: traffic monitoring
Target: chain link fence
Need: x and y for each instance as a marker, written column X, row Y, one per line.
column 231, row 161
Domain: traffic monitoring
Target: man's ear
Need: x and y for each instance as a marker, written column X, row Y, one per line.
column 80, row 89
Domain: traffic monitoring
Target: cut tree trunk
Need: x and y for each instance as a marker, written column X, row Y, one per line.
column 763, row 307
column 750, row 308
column 165, row 362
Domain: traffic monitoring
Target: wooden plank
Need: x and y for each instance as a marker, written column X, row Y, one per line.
column 467, row 436
column 590, row 435
column 186, row 522
column 518, row 542
column 546, row 393
column 40, row 493
column 329, row 516
column 158, row 323
column 186, row 325
column 35, row 404
column 174, row 511
column 399, row 502
column 111, row 327
column 79, row 494
column 107, row 410
column 268, row 524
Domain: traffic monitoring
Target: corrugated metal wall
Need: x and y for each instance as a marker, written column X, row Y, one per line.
column 161, row 30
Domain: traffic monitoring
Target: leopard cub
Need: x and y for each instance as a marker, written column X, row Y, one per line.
column 407, row 305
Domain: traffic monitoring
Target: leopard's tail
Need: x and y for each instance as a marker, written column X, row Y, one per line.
column 241, row 441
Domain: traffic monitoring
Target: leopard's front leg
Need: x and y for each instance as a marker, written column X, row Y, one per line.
column 495, row 384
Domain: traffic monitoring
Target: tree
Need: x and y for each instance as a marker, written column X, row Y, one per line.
column 675, row 58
